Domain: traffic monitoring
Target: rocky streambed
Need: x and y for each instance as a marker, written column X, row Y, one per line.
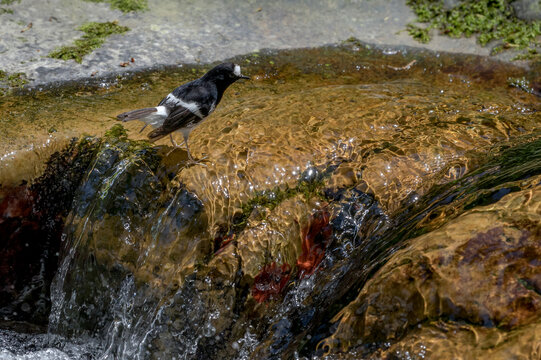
column 353, row 203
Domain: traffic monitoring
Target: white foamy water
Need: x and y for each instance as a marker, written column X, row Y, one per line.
column 47, row 354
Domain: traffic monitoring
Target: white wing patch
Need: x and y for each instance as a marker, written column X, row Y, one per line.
column 190, row 106
column 162, row 111
column 237, row 70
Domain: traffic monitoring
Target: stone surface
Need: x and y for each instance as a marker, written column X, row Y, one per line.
column 164, row 258
column 31, row 223
column 527, row 9
column 171, row 33
column 481, row 269
column 466, row 342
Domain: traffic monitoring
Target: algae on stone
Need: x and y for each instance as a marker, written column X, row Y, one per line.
column 13, row 80
column 95, row 35
column 308, row 187
column 490, row 20
column 126, row 5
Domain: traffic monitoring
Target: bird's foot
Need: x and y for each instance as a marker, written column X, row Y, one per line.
column 192, row 162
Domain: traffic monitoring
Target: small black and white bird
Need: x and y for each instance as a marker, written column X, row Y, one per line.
column 188, row 105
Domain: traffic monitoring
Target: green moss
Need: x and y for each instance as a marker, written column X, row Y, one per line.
column 94, row 37
column 126, row 5
column 129, row 5
column 529, row 55
column 352, row 41
column 13, row 80
column 117, row 136
column 528, row 284
column 117, row 132
column 7, row 10
column 270, row 199
column 490, row 20
column 418, row 33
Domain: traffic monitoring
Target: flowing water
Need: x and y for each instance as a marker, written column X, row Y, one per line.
column 328, row 182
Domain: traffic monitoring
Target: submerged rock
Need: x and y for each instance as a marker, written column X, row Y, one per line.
column 444, row 340
column 315, row 179
column 480, row 269
column 31, row 224
column 124, row 230
column 229, row 259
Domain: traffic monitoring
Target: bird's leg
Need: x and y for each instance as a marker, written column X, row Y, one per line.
column 173, row 141
column 175, row 145
column 191, row 159
column 188, row 149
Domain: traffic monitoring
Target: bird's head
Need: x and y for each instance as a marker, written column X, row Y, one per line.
column 226, row 73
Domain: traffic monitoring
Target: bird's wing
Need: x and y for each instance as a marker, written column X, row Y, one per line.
column 178, row 118
column 200, row 98
column 168, row 101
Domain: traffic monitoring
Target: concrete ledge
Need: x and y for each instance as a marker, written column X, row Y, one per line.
column 170, row 33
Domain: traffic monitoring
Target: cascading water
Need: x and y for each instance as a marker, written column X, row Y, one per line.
column 320, row 178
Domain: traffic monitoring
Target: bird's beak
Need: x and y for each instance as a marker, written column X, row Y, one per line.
column 244, row 77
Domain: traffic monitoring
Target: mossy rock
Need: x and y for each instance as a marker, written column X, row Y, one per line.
column 94, row 37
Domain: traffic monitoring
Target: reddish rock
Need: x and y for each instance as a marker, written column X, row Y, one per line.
column 270, row 282
column 314, row 242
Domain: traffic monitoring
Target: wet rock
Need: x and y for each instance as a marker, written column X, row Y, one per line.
column 31, row 223
column 444, row 340
column 480, row 269
column 332, row 231
column 254, row 252
column 270, row 282
column 126, row 223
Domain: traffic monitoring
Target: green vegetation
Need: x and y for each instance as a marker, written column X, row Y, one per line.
column 117, row 131
column 126, row 5
column 94, row 37
column 13, row 80
column 488, row 19
column 272, row 198
column 7, row 10
column 117, row 135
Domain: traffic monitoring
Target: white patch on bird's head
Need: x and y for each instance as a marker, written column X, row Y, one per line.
column 237, row 70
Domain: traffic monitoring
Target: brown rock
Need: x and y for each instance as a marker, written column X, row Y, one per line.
column 482, row 268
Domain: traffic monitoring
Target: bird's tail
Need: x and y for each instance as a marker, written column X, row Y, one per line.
column 157, row 134
column 136, row 114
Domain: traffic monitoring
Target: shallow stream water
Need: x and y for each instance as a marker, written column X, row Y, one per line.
column 324, row 178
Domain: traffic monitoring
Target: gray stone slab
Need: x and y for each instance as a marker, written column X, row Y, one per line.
column 188, row 31
column 527, row 9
